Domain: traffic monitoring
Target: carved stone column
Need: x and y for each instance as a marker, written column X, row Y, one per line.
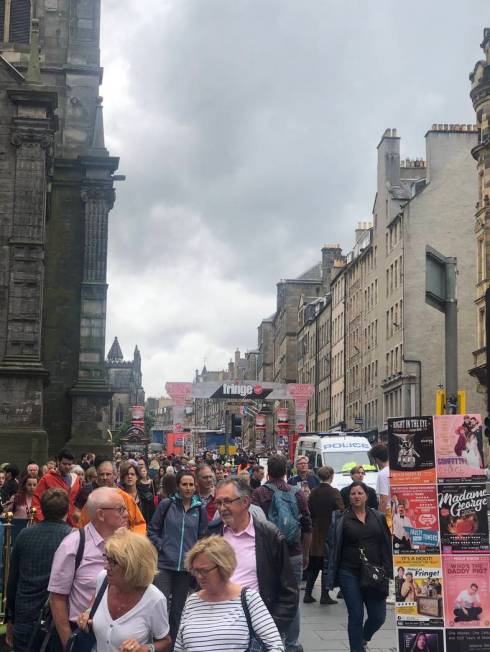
column 91, row 393
column 22, row 375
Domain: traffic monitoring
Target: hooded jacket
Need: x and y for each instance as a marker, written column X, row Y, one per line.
column 173, row 531
column 53, row 479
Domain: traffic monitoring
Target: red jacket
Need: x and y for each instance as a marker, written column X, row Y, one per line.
column 53, row 480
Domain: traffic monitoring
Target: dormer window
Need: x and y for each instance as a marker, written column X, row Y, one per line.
column 15, row 21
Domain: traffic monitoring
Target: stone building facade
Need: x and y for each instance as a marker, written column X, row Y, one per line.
column 56, row 191
column 392, row 367
column 356, row 307
column 265, row 347
column 337, row 365
column 314, row 348
column 126, row 384
column 313, row 283
column 480, row 96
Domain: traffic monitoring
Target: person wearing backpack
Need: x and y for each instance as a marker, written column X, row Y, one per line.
column 287, row 508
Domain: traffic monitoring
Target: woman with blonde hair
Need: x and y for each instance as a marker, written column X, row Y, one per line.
column 239, row 615
column 132, row 613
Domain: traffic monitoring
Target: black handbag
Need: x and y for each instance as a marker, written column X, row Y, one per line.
column 373, row 577
column 84, row 641
column 255, row 644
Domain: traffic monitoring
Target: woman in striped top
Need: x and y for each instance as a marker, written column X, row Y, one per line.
column 215, row 618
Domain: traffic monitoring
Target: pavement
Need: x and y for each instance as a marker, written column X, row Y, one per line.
column 324, row 628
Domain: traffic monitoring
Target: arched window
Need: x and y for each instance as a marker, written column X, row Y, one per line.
column 15, row 21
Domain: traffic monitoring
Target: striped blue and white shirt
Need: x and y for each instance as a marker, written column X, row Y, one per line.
column 223, row 625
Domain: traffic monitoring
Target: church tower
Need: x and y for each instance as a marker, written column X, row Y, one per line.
column 56, row 192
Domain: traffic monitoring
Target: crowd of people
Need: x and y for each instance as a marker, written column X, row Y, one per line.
column 169, row 553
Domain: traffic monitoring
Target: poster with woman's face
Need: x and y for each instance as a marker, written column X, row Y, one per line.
column 459, row 448
column 420, row 640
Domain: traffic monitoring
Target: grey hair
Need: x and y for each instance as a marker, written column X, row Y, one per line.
column 241, row 487
column 99, row 498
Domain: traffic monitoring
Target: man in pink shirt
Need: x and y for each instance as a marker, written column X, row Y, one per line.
column 72, row 586
column 261, row 551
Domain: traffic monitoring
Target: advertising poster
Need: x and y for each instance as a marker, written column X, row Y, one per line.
column 463, row 517
column 466, row 591
column 418, row 590
column 459, row 448
column 415, row 519
column 467, row 640
column 411, row 451
column 420, row 640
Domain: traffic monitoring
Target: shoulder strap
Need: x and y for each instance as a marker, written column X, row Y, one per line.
column 80, row 550
column 243, row 598
column 251, row 631
column 98, row 598
column 271, row 486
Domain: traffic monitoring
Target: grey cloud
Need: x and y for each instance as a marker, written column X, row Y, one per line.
column 260, row 118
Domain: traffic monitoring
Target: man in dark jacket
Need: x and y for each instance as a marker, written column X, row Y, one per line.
column 322, row 501
column 30, row 565
column 261, row 551
column 357, row 473
column 305, row 475
column 299, row 546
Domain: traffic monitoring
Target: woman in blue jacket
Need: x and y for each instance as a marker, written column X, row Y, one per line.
column 178, row 522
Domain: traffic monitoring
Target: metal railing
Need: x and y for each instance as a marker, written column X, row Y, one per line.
column 8, row 523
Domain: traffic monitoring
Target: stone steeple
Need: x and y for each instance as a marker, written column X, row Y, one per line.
column 115, row 353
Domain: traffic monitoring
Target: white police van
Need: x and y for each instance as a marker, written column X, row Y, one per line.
column 341, row 451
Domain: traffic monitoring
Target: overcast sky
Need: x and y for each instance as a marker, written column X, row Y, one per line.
column 248, row 130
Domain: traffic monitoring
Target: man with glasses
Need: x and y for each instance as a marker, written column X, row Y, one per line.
column 205, row 489
column 80, row 558
column 261, row 551
column 357, row 473
column 304, row 474
column 106, row 477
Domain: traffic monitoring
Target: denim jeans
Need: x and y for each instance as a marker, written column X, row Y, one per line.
column 22, row 638
column 291, row 641
column 355, row 599
column 175, row 587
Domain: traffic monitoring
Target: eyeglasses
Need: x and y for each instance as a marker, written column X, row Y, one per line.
column 226, row 501
column 110, row 561
column 204, row 572
column 121, row 509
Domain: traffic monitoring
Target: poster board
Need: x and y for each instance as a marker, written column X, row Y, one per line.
column 441, row 551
